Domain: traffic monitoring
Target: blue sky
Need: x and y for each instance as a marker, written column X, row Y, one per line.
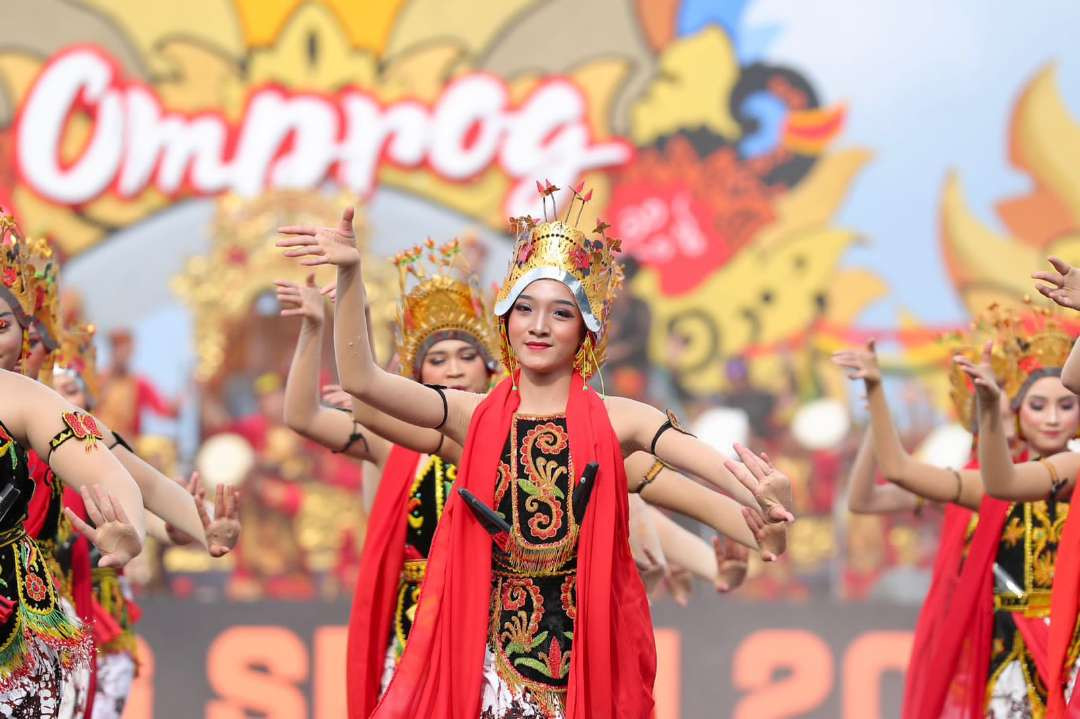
column 929, row 87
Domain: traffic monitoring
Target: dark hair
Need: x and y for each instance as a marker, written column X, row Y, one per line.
column 1031, row 380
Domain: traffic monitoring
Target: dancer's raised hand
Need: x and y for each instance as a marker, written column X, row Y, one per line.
column 223, row 530
column 112, row 531
column 770, row 486
column 315, row 246
column 1063, row 284
column 982, row 375
column 304, row 301
column 861, row 363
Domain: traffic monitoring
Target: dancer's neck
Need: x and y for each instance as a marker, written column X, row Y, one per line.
column 544, row 393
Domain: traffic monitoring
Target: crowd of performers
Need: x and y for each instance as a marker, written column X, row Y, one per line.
column 514, row 528
column 497, row 579
column 528, row 601
column 997, row 635
column 75, row 505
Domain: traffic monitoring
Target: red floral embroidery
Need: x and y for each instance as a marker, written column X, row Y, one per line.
column 580, row 258
column 542, row 477
column 35, row 587
column 554, row 660
column 568, row 594
column 9, row 276
column 517, row 593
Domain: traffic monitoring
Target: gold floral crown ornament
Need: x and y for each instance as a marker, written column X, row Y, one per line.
column 439, row 306
column 1039, row 343
column 76, row 357
column 557, row 250
column 1022, row 345
column 46, row 268
column 16, row 273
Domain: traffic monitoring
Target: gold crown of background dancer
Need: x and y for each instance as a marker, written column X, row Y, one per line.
column 440, row 306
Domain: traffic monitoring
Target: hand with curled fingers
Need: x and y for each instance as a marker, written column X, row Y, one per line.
column 732, row 562
column 982, row 376
column 1062, row 285
column 304, row 301
column 770, row 486
column 314, row 246
column 223, row 530
column 860, row 363
column 112, row 532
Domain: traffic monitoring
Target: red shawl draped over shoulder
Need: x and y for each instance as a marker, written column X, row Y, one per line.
column 614, row 656
column 957, row 663
column 371, row 619
column 933, row 617
column 1064, row 606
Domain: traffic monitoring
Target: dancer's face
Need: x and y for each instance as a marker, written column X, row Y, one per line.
column 10, row 337
column 1049, row 416
column 71, row 389
column 456, row 364
column 31, row 364
column 545, row 327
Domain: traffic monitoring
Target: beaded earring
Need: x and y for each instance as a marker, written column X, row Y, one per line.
column 508, row 355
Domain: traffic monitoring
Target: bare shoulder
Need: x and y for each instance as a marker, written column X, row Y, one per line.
column 631, row 419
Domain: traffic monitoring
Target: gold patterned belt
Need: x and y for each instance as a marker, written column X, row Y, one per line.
column 512, row 573
column 413, row 571
column 12, row 536
column 1033, row 604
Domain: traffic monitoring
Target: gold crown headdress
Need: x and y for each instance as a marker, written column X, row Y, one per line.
column 76, row 356
column 1022, row 345
column 439, row 306
column 46, row 310
column 556, row 250
column 16, row 273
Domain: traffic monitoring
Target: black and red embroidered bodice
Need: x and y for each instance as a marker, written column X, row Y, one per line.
column 427, row 498
column 534, row 596
column 28, row 600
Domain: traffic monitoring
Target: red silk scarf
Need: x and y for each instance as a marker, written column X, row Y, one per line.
column 614, row 656
column 371, row 618
column 933, row 618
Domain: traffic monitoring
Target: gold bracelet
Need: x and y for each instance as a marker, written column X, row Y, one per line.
column 654, row 471
column 959, row 487
column 1056, row 483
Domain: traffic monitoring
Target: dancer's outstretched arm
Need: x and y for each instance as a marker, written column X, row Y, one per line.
column 1050, row 477
column 34, row 414
column 865, row 496
column 448, row 411
column 664, row 487
column 643, row 428
column 963, row 487
column 304, row 413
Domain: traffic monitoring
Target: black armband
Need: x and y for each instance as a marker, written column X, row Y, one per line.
column 672, row 422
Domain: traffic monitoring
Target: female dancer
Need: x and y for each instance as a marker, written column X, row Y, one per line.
column 514, row 631
column 74, row 376
column 444, row 340
column 1012, row 555
column 40, row 643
